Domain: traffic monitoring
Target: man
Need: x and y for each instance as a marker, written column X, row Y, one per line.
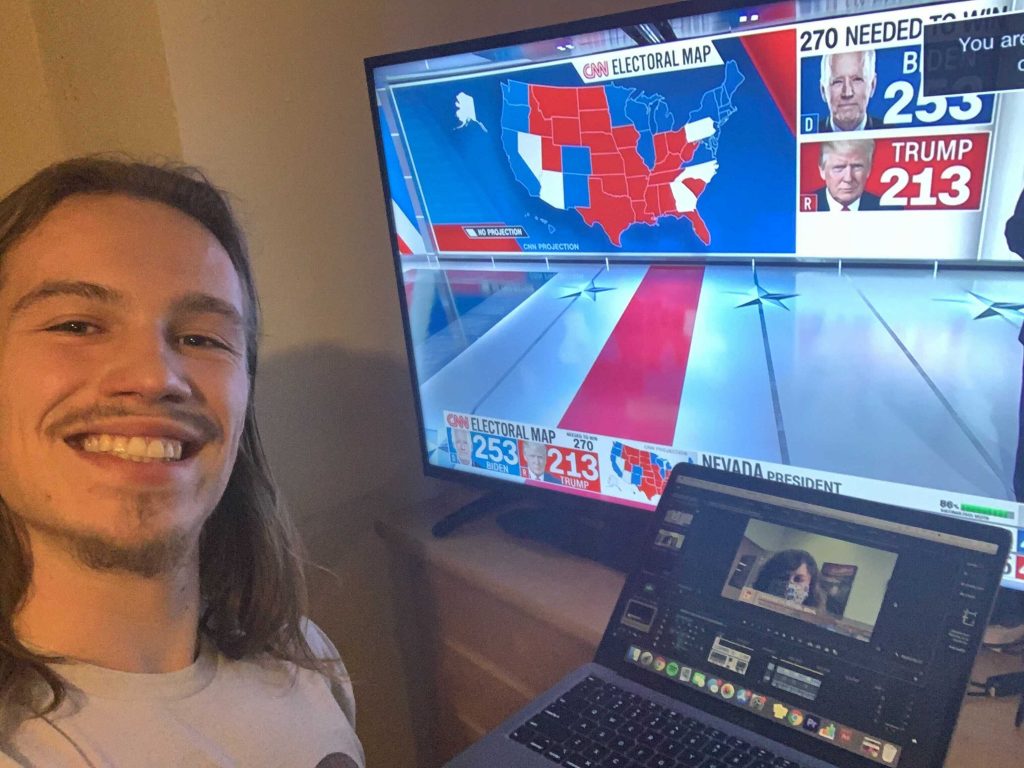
column 535, row 456
column 462, row 452
column 844, row 166
column 151, row 601
column 848, row 82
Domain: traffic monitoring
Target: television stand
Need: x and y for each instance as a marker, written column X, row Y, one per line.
column 469, row 512
column 611, row 538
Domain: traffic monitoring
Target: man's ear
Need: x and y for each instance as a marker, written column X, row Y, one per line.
column 874, row 83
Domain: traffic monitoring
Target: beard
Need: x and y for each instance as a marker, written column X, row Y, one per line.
column 152, row 554
column 147, row 559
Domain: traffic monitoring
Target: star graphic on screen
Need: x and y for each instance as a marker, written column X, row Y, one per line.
column 763, row 296
column 995, row 308
column 590, row 292
column 1008, row 310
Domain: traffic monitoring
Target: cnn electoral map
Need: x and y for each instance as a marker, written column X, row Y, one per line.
column 539, row 159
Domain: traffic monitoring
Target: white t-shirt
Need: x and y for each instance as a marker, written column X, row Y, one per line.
column 217, row 712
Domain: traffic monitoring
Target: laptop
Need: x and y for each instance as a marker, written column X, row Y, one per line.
column 772, row 625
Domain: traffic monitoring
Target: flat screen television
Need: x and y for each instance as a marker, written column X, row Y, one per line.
column 776, row 239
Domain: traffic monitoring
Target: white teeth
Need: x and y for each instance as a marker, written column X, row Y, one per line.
column 134, row 448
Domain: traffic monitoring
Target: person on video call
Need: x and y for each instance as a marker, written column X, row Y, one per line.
column 536, row 456
column 844, row 166
column 152, row 602
column 1015, row 242
column 848, row 82
column 463, row 454
column 791, row 574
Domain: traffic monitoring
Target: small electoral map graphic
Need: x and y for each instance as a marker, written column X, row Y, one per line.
column 644, row 470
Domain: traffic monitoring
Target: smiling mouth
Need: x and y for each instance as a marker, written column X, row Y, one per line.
column 134, row 448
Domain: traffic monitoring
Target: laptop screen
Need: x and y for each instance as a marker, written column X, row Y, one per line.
column 842, row 627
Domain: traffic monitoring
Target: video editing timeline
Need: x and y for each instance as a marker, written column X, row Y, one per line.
column 874, row 686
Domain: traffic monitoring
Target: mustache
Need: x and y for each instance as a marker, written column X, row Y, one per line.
column 194, row 421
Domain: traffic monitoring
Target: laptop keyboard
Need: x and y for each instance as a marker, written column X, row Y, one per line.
column 599, row 725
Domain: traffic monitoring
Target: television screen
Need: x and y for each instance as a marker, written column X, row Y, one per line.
column 622, row 244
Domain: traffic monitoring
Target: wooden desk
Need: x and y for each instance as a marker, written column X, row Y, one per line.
column 489, row 621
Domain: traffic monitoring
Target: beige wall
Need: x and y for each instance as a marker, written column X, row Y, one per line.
column 29, row 135
column 270, row 99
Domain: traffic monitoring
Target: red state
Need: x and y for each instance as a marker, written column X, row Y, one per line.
column 653, row 200
column 660, row 147
column 535, row 102
column 670, row 151
column 640, row 212
column 637, row 186
column 550, row 155
column 556, row 102
column 667, row 156
column 614, row 185
column 666, row 199
column 625, row 136
column 565, row 130
column 592, row 98
column 605, row 164
column 613, row 214
column 696, row 186
column 664, row 177
column 677, row 142
column 539, row 125
column 635, row 165
column 598, row 142
column 699, row 227
column 650, row 480
column 660, row 201
column 595, row 120
column 630, row 456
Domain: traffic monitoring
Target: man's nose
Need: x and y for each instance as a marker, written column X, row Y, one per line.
column 847, row 92
column 147, row 365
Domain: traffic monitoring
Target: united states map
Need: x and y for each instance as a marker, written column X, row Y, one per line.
column 613, row 153
column 645, row 470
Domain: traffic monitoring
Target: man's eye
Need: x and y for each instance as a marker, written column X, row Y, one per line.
column 197, row 340
column 74, row 328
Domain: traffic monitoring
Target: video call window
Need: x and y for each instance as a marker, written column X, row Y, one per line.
column 828, row 582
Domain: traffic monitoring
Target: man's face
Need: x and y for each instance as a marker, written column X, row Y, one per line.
column 461, row 438
column 536, row 455
column 848, row 91
column 844, row 174
column 123, row 383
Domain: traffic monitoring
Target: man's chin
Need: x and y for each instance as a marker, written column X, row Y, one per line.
column 847, row 199
column 145, row 555
column 848, row 122
column 147, row 559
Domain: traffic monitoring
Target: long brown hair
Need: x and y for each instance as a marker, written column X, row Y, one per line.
column 251, row 571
